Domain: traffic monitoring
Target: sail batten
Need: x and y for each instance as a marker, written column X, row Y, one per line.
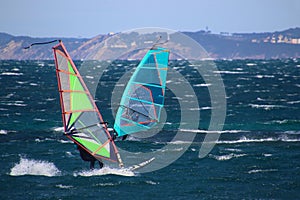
column 82, row 121
column 143, row 97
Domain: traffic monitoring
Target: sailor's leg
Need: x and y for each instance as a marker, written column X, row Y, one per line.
column 92, row 164
column 124, row 137
column 100, row 164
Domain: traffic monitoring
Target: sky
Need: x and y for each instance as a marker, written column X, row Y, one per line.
column 88, row 18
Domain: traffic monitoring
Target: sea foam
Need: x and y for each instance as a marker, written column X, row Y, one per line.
column 34, row 167
column 105, row 171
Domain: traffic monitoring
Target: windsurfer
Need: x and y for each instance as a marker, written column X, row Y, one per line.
column 115, row 135
column 88, row 157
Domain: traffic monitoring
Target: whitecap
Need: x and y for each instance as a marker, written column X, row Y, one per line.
column 58, row 129
column 293, row 102
column 180, row 142
column 246, row 140
column 264, row 76
column 9, row 95
column 233, row 150
column 227, row 157
column 267, row 154
column 152, row 183
column 39, row 119
column 292, row 132
column 50, row 99
column 105, row 171
column 11, row 74
column 89, row 77
column 132, row 138
column 202, row 85
column 15, row 69
column 15, row 104
column 207, row 131
column 228, row 72
column 261, row 170
column 107, row 184
column 34, row 167
column 265, row 107
column 64, row 186
column 3, row 132
column 22, row 82
column 171, row 150
column 120, row 85
column 69, row 154
column 65, row 141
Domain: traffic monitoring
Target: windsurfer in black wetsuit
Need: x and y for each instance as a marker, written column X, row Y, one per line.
column 115, row 135
column 88, row 157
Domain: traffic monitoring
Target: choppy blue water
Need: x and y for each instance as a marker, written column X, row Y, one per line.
column 256, row 157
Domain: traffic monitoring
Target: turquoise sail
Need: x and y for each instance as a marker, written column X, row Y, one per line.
column 143, row 97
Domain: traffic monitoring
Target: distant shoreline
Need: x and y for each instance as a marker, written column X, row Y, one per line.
column 236, row 46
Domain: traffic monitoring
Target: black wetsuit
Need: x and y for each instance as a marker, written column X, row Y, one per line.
column 88, row 157
column 115, row 135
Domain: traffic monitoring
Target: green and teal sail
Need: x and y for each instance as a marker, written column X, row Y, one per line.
column 82, row 120
column 143, row 98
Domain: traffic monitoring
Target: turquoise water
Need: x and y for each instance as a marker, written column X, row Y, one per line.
column 256, row 157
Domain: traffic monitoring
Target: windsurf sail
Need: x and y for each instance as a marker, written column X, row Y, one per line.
column 82, row 120
column 143, row 97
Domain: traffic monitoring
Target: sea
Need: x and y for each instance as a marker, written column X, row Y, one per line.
column 255, row 156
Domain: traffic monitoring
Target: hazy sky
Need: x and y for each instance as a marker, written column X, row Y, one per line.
column 87, row 18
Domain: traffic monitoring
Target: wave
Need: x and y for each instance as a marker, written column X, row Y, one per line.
column 3, row 132
column 226, row 157
column 266, row 107
column 107, row 184
column 206, row 131
column 152, row 182
column 229, row 72
column 39, row 119
column 58, row 129
column 105, row 171
column 261, row 170
column 50, row 99
column 21, row 82
column 264, row 76
column 292, row 132
column 16, row 103
column 64, row 186
column 293, row 102
column 44, row 140
column 251, row 64
column 202, row 108
column 267, row 154
column 15, row 69
column 247, row 140
column 66, row 141
column 34, row 167
column 178, row 142
column 202, row 85
column 233, row 150
column 11, row 74
column 171, row 150
column 285, row 121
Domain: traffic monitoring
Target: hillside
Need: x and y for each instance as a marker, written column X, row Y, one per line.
column 279, row 44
